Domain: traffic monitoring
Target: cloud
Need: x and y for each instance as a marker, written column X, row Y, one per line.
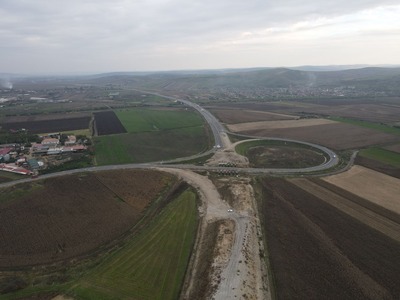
column 122, row 34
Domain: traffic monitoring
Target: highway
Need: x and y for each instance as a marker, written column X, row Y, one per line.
column 245, row 236
column 218, row 130
column 221, row 143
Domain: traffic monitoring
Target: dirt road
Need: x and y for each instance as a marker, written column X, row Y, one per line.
column 237, row 269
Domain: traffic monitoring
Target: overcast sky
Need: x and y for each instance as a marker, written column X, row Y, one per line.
column 42, row 36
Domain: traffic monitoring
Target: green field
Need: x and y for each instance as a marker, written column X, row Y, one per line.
column 370, row 125
column 243, row 148
column 153, row 135
column 383, row 156
column 280, row 154
column 141, row 120
column 150, row 266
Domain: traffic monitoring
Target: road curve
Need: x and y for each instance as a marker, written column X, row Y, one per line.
column 216, row 207
column 220, row 136
column 222, row 140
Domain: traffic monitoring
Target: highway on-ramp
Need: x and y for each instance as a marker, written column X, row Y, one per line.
column 216, row 208
column 221, row 143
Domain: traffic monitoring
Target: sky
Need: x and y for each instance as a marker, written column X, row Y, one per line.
column 91, row 36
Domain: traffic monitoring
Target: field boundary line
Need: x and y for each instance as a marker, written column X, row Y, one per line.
column 360, row 213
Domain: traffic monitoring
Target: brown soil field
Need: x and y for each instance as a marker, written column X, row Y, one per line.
column 233, row 116
column 53, row 125
column 376, row 187
column 135, row 188
column 394, row 148
column 71, row 216
column 371, row 214
column 317, row 251
column 283, row 157
column 44, row 117
column 380, row 113
column 279, row 124
column 7, row 176
column 373, row 111
column 107, row 122
column 336, row 136
column 378, row 166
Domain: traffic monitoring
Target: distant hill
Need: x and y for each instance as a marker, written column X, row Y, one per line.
column 253, row 83
column 256, row 78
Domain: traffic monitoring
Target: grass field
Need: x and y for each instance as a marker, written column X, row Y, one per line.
column 141, row 120
column 370, row 125
column 153, row 135
column 150, row 264
column 280, row 154
column 383, row 156
column 153, row 264
column 243, row 148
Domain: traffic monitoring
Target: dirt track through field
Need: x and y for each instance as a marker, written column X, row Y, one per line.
column 364, row 215
column 237, row 267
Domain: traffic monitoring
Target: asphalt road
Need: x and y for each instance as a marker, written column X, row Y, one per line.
column 217, row 128
column 220, row 135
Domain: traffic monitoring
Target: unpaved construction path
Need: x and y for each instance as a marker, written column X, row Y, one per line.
column 237, row 269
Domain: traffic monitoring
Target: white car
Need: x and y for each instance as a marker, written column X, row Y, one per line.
column 230, row 210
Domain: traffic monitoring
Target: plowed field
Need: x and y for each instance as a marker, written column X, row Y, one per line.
column 107, row 122
column 378, row 188
column 394, row 148
column 378, row 112
column 326, row 243
column 336, row 136
column 53, row 125
column 69, row 216
column 233, row 116
column 378, row 166
column 279, row 124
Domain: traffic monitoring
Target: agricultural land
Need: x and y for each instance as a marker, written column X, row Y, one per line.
column 135, row 237
column 56, row 219
column 324, row 242
column 153, row 135
column 228, row 184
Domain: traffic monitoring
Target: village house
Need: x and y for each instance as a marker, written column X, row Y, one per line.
column 50, row 142
column 70, row 141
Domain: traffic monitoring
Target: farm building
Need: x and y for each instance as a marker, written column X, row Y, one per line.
column 53, row 151
column 78, row 148
column 39, row 148
column 51, row 142
column 14, row 169
column 4, row 153
column 70, row 141
column 33, row 164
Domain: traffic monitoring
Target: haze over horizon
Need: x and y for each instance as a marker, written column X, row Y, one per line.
column 154, row 35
